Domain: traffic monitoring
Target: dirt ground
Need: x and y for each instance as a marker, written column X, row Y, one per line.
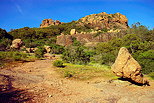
column 38, row 82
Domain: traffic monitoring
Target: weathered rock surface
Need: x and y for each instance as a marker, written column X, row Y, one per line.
column 73, row 31
column 48, row 22
column 16, row 43
column 126, row 66
column 66, row 40
column 104, row 20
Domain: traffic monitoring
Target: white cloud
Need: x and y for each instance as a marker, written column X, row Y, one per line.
column 18, row 7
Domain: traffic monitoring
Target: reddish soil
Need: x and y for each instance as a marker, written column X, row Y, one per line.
column 38, row 82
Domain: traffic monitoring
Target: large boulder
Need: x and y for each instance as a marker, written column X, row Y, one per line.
column 126, row 66
column 16, row 44
column 73, row 31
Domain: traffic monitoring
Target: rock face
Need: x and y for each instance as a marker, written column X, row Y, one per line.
column 104, row 20
column 126, row 66
column 64, row 40
column 48, row 22
column 17, row 43
column 83, row 38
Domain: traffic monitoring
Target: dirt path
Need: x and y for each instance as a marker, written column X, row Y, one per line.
column 42, row 82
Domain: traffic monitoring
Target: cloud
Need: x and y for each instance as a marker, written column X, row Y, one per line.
column 18, row 7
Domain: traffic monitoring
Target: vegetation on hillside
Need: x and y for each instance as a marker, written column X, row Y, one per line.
column 138, row 39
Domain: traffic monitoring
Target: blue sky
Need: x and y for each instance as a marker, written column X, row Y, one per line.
column 29, row 13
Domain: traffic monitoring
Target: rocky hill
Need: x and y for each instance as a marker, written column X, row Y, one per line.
column 104, row 20
column 101, row 27
column 96, row 21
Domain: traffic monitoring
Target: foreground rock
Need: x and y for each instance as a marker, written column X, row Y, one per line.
column 16, row 43
column 126, row 66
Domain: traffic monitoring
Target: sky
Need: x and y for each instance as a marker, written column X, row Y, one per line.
column 16, row 14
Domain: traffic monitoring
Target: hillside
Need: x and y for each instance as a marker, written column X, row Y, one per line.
column 51, row 62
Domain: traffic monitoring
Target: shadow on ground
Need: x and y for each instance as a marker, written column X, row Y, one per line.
column 9, row 94
column 132, row 82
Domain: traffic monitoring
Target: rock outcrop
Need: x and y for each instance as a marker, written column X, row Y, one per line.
column 48, row 22
column 104, row 20
column 73, row 31
column 126, row 66
column 66, row 40
column 16, row 43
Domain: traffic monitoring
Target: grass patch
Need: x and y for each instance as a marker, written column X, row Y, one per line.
column 12, row 56
column 151, row 75
column 86, row 72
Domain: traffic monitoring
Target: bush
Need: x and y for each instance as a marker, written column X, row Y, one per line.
column 76, row 55
column 58, row 63
column 68, row 74
column 151, row 75
column 13, row 55
column 39, row 52
column 108, row 59
column 56, row 49
column 146, row 59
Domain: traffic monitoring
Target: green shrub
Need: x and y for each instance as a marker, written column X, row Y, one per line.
column 39, row 52
column 13, row 55
column 68, row 74
column 58, row 63
column 56, row 49
column 108, row 59
column 146, row 60
column 151, row 75
column 76, row 55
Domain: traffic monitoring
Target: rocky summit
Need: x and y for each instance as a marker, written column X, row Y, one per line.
column 104, row 20
column 96, row 21
column 48, row 22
